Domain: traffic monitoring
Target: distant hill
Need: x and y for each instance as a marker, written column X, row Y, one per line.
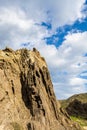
column 80, row 97
column 76, row 105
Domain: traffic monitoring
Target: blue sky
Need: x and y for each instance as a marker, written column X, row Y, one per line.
column 61, row 32
column 57, row 30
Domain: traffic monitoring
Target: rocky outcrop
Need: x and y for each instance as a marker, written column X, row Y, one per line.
column 27, row 99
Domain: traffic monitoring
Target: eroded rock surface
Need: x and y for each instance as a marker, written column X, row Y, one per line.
column 27, row 99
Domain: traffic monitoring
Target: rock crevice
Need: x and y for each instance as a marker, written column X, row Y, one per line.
column 27, row 99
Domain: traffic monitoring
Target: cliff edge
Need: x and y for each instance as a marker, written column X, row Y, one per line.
column 27, row 99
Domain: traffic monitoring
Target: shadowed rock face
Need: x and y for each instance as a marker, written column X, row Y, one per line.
column 77, row 108
column 27, row 99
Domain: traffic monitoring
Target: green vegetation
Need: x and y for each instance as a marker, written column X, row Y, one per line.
column 79, row 120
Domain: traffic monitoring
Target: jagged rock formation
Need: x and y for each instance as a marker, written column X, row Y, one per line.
column 27, row 99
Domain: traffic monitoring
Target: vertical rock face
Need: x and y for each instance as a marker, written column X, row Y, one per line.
column 27, row 99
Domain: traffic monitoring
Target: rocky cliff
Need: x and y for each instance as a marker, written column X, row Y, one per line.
column 27, row 99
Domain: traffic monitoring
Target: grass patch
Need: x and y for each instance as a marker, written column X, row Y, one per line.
column 81, row 121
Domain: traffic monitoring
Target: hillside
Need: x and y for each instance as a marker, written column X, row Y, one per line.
column 80, row 97
column 76, row 107
column 27, row 99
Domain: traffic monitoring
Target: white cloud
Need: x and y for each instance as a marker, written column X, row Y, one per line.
column 64, row 91
column 15, row 29
column 20, row 22
column 77, row 81
column 20, row 18
column 84, row 74
column 15, row 18
column 67, row 63
column 66, row 12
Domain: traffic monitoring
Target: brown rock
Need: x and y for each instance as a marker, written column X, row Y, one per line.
column 27, row 99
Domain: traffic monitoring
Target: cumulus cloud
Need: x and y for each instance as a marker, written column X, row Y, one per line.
column 67, row 63
column 66, row 12
column 15, row 29
column 20, row 20
column 21, row 26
